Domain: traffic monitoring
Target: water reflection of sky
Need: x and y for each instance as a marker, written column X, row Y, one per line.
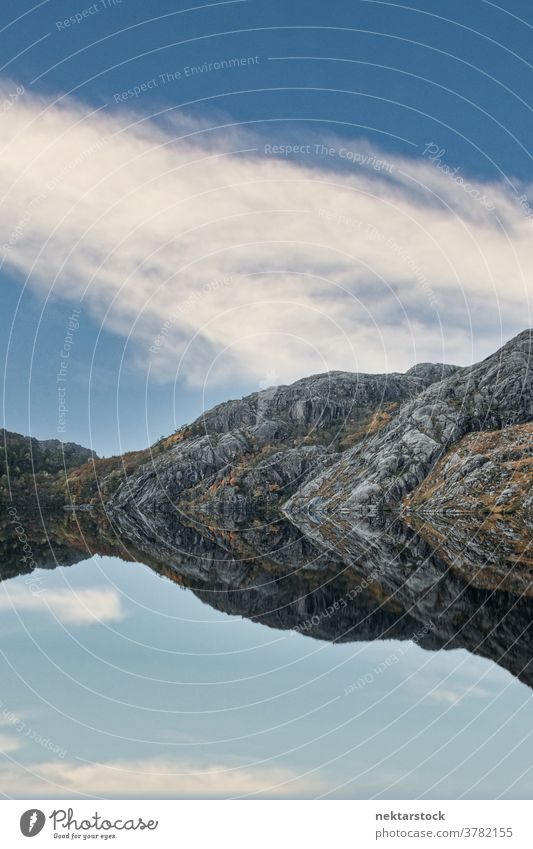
column 118, row 683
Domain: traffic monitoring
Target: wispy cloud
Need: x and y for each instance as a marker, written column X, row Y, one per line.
column 230, row 262
column 80, row 606
column 152, row 778
column 453, row 696
column 457, row 678
column 9, row 743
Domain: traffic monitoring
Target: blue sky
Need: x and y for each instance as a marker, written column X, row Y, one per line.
column 196, row 203
column 107, row 694
column 412, row 265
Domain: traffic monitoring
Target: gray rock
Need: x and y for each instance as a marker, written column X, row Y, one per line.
column 380, row 471
column 196, row 476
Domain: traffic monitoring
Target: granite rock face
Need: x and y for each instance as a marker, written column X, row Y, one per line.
column 379, row 472
column 476, row 508
column 321, row 400
column 253, row 494
column 487, row 471
column 409, row 499
column 242, row 459
column 435, row 442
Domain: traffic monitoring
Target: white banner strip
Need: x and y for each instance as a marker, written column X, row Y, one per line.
column 267, row 824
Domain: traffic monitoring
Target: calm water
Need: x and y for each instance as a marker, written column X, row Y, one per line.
column 118, row 682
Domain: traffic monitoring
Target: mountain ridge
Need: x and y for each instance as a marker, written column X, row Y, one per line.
column 492, row 394
column 329, row 447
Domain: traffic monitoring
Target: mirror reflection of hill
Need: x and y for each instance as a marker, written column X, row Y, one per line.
column 390, row 584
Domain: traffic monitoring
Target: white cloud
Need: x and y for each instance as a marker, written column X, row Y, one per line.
column 246, row 264
column 456, row 677
column 454, row 695
column 9, row 743
column 151, row 778
column 80, row 606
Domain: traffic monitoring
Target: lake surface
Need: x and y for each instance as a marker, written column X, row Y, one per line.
column 120, row 681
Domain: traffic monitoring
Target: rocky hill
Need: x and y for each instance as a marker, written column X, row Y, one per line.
column 239, row 461
column 343, row 506
column 434, row 443
column 332, row 446
column 327, row 445
column 379, row 472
